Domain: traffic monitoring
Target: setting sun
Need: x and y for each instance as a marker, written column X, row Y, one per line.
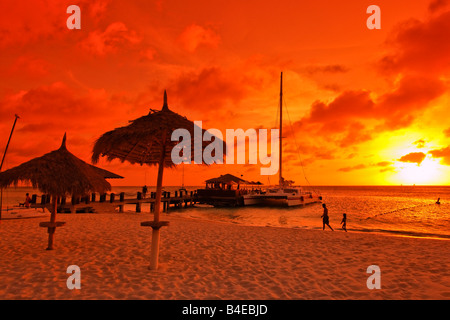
column 425, row 173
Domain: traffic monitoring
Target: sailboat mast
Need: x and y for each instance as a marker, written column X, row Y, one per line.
column 3, row 159
column 281, row 132
column 9, row 140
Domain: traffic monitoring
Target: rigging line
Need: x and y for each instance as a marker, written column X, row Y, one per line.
column 400, row 209
column 298, row 149
column 277, row 117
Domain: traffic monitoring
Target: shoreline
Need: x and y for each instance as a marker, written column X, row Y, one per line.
column 204, row 260
column 388, row 233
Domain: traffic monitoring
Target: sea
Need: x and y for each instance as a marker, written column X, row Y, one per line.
column 395, row 210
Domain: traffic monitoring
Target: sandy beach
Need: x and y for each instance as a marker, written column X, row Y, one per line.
column 211, row 260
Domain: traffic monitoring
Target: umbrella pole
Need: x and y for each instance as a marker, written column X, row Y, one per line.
column 154, row 254
column 52, row 227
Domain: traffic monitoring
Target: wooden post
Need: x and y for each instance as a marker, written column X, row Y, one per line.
column 138, row 204
column 154, row 254
column 51, row 230
column 93, row 197
column 112, row 197
column 34, row 198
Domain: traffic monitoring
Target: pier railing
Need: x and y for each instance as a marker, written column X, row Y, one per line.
column 108, row 202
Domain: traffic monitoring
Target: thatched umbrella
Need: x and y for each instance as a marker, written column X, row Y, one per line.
column 147, row 140
column 58, row 174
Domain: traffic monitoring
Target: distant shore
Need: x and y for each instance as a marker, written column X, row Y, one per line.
column 214, row 260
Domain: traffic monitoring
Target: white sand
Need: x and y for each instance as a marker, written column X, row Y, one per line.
column 208, row 260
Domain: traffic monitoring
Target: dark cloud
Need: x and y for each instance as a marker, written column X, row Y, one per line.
column 443, row 153
column 353, row 116
column 447, row 132
column 413, row 157
column 357, row 167
column 383, row 164
column 420, row 46
column 208, row 90
column 437, row 5
column 420, row 143
column 329, row 69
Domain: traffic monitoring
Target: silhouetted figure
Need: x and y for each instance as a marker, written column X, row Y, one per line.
column 144, row 191
column 438, row 202
column 325, row 218
column 344, row 222
column 27, row 200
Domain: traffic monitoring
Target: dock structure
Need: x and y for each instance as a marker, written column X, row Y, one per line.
column 109, row 202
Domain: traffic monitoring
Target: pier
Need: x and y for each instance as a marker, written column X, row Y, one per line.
column 109, row 202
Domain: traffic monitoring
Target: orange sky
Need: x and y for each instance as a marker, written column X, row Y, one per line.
column 366, row 107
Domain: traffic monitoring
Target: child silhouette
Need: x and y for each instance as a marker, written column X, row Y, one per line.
column 344, row 222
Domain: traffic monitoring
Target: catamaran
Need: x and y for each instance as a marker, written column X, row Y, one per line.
column 285, row 194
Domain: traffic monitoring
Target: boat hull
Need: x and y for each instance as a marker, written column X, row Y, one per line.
column 280, row 200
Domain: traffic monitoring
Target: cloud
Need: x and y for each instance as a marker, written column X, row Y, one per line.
column 356, row 134
column 28, row 66
column 447, row 132
column 385, row 166
column 420, row 143
column 208, row 89
column 195, row 36
column 413, row 157
column 443, row 153
column 412, row 94
column 47, row 111
column 349, row 104
column 24, row 22
column 97, row 8
column 327, row 69
column 420, row 46
column 356, row 116
column 357, row 167
column 437, row 5
column 115, row 36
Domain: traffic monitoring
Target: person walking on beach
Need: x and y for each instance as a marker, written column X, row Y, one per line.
column 27, row 201
column 144, row 191
column 344, row 222
column 325, row 218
